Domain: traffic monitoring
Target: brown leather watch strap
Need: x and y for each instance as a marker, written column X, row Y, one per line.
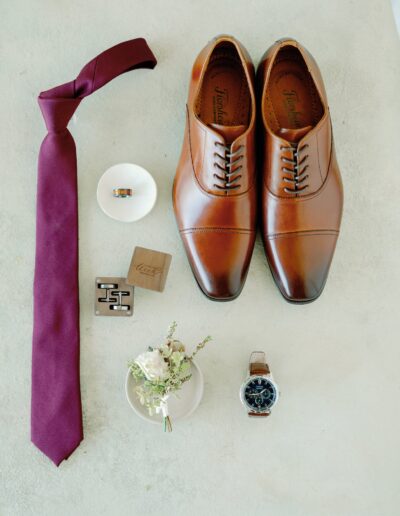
column 258, row 363
column 259, row 414
column 258, row 368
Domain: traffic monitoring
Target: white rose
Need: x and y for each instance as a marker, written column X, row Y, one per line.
column 153, row 365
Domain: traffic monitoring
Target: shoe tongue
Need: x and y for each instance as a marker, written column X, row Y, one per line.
column 229, row 132
column 294, row 135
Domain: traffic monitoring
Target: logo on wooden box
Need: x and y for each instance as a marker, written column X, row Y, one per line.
column 149, row 269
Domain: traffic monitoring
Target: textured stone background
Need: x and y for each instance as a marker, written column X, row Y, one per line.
column 332, row 445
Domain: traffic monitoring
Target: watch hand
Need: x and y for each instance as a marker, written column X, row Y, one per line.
column 257, row 393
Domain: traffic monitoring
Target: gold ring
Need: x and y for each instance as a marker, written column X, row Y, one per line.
column 122, row 192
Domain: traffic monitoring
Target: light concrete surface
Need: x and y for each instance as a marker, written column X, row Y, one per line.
column 331, row 447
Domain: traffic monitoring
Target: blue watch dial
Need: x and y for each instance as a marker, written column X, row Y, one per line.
column 260, row 394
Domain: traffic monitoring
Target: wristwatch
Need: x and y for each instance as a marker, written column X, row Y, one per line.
column 259, row 392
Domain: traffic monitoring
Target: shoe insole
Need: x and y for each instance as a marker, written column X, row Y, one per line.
column 292, row 100
column 224, row 97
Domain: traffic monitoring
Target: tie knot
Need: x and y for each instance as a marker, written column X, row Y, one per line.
column 57, row 112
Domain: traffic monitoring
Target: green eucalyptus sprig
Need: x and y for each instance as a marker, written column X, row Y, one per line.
column 199, row 346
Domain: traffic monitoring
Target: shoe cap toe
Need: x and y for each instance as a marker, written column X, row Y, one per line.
column 220, row 260
column 300, row 263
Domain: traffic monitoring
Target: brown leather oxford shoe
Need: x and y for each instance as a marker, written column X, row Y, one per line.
column 302, row 195
column 214, row 189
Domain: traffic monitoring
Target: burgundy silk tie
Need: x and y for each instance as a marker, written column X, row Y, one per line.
column 56, row 417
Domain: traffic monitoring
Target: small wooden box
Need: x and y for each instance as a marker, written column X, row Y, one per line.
column 149, row 269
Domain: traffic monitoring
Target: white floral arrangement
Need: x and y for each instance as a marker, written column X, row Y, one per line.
column 160, row 372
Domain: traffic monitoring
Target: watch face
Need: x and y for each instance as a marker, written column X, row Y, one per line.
column 259, row 394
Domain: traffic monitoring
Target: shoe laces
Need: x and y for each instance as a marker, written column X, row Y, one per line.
column 298, row 167
column 227, row 166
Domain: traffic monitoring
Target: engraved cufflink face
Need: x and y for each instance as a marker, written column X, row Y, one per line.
column 113, row 297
